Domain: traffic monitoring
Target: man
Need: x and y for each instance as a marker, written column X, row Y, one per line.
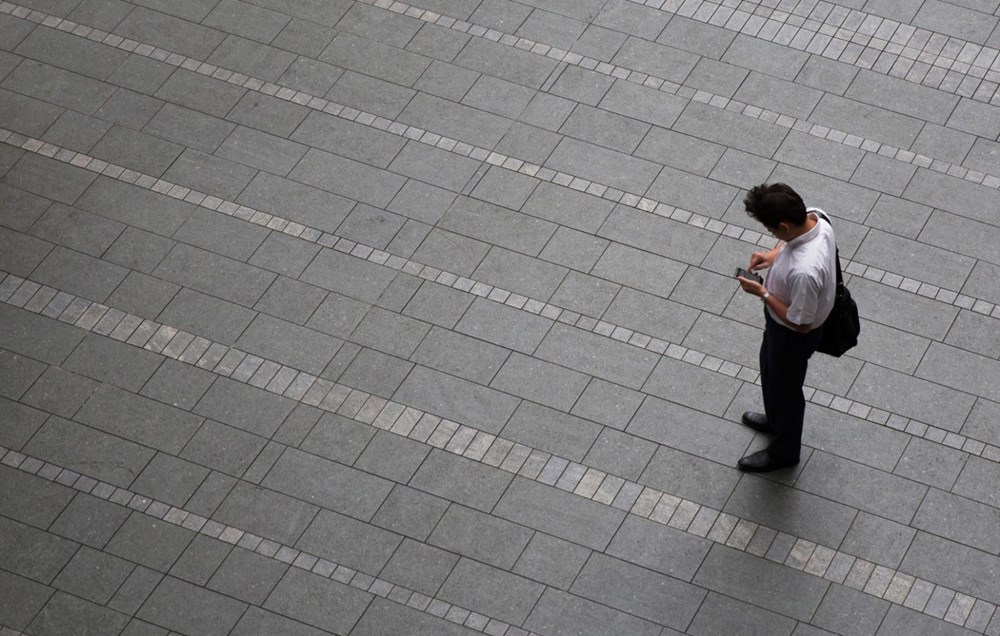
column 798, row 296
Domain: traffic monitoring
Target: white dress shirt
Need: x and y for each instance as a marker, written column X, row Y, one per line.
column 804, row 274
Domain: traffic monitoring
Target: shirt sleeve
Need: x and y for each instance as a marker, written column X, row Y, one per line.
column 805, row 299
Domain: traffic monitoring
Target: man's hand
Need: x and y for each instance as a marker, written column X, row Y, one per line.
column 751, row 286
column 763, row 260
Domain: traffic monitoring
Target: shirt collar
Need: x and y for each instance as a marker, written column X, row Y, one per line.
column 808, row 236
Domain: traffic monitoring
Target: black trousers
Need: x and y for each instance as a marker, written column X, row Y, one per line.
column 784, row 358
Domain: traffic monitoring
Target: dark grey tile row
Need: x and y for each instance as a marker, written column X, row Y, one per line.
column 618, row 495
column 925, row 289
column 564, row 451
column 857, row 407
column 533, row 506
column 672, row 393
column 251, row 574
column 874, row 273
column 647, row 416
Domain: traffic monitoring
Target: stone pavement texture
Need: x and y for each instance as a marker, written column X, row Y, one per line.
column 363, row 317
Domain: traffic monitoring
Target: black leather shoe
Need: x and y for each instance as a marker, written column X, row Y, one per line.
column 762, row 462
column 758, row 422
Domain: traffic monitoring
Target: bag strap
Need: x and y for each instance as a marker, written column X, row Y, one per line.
column 840, row 276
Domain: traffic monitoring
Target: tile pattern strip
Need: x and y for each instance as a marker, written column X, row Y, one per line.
column 590, row 483
column 478, row 288
column 299, row 385
column 265, row 547
column 451, row 145
column 627, row 496
column 514, row 164
column 705, row 97
column 857, row 38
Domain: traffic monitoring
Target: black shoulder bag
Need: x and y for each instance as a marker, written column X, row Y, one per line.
column 842, row 326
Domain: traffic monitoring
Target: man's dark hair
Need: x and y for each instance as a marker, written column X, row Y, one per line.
column 772, row 204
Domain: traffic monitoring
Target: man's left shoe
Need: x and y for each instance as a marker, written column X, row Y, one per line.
column 762, row 462
column 758, row 422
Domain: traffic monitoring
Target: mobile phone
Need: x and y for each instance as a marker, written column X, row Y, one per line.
column 749, row 275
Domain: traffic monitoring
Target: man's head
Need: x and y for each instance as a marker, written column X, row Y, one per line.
column 779, row 208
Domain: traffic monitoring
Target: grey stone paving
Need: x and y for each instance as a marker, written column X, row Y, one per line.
column 371, row 317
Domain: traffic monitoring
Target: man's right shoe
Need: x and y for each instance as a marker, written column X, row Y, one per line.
column 764, row 462
column 758, row 422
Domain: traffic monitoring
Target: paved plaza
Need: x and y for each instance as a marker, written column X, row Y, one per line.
column 365, row 317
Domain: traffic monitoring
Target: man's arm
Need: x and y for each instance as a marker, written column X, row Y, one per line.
column 777, row 305
column 780, row 308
